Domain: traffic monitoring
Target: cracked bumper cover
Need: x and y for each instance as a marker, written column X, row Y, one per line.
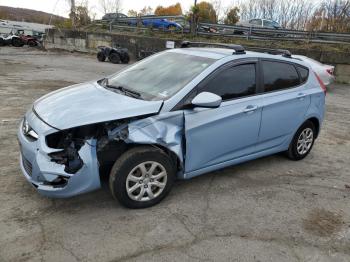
column 40, row 171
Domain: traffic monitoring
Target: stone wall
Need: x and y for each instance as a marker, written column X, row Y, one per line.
column 89, row 41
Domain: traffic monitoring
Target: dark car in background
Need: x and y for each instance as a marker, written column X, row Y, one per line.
column 113, row 16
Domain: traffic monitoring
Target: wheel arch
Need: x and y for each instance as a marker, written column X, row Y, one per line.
column 172, row 155
column 316, row 123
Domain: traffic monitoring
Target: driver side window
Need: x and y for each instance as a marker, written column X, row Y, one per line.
column 234, row 82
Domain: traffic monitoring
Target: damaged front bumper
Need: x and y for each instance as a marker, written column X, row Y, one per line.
column 50, row 178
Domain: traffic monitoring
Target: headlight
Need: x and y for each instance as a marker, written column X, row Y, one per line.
column 28, row 131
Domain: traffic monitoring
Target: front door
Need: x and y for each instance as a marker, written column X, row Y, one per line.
column 216, row 135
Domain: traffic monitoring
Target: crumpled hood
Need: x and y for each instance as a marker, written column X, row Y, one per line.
column 89, row 103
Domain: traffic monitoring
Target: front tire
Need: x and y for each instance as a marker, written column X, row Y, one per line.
column 101, row 56
column 302, row 142
column 17, row 42
column 142, row 177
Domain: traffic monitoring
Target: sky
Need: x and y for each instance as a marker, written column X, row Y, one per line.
column 61, row 7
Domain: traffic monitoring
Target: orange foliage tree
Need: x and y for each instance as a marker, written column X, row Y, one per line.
column 206, row 12
column 170, row 10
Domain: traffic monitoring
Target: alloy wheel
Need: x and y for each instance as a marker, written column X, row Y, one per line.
column 146, row 181
column 305, row 140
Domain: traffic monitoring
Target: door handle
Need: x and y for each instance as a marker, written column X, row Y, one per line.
column 301, row 96
column 250, row 108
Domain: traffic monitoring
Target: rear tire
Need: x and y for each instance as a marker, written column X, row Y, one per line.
column 141, row 177
column 32, row 43
column 114, row 58
column 101, row 56
column 125, row 59
column 302, row 142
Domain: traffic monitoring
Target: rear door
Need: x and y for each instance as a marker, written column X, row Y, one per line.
column 217, row 135
column 286, row 100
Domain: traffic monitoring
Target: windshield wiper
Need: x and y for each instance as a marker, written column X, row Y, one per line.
column 126, row 91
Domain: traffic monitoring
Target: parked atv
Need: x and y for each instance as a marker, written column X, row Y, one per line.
column 29, row 40
column 11, row 40
column 115, row 55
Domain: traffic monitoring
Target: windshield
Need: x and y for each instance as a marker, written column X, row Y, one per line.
column 160, row 76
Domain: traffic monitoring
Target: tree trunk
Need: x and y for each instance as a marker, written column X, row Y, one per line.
column 72, row 11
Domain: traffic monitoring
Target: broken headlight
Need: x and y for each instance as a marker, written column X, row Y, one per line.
column 69, row 156
column 28, row 131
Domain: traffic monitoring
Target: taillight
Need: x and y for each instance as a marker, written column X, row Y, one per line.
column 324, row 88
column 330, row 71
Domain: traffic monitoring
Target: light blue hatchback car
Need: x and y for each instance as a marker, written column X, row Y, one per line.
column 177, row 114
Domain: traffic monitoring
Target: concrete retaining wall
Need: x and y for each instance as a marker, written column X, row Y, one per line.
column 89, row 41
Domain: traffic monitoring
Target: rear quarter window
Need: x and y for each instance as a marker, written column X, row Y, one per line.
column 279, row 75
column 304, row 74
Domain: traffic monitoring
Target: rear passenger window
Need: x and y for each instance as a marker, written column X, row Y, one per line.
column 279, row 76
column 304, row 74
column 234, row 82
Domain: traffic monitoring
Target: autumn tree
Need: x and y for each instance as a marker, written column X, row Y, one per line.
column 170, row 10
column 232, row 16
column 205, row 12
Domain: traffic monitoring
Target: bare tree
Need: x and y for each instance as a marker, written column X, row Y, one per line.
column 290, row 14
column 337, row 15
column 217, row 4
column 110, row 6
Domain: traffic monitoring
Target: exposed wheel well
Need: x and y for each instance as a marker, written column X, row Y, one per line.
column 116, row 149
column 316, row 123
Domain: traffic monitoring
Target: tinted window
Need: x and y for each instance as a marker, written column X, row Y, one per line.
column 304, row 73
column 279, row 76
column 255, row 22
column 234, row 82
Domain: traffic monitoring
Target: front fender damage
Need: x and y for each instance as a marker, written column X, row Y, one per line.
column 166, row 130
column 107, row 141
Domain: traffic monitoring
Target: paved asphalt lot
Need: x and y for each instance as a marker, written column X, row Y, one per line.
column 271, row 209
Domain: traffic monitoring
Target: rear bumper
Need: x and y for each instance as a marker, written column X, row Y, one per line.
column 42, row 173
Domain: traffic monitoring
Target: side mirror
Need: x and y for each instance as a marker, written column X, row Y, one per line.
column 206, row 99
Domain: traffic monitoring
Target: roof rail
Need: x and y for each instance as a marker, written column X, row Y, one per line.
column 239, row 50
column 271, row 51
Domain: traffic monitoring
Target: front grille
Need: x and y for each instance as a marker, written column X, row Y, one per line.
column 27, row 166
